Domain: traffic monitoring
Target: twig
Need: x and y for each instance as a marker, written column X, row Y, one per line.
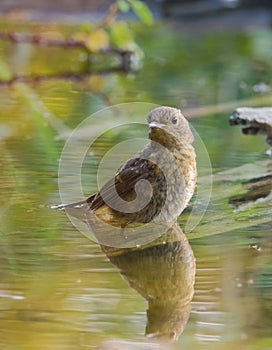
column 38, row 39
column 109, row 17
column 73, row 76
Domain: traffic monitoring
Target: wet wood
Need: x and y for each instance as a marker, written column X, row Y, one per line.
column 250, row 211
column 258, row 190
column 255, row 121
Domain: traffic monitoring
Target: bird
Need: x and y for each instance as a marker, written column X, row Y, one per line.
column 156, row 184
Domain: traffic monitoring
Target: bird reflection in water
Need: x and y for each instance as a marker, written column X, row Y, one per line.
column 163, row 272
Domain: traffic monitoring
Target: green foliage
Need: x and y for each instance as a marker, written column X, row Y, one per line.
column 121, row 34
column 142, row 11
column 123, row 5
column 112, row 31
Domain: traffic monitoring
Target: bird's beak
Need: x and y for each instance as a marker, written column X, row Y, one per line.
column 155, row 125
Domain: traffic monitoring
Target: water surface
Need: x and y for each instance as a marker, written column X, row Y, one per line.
column 57, row 288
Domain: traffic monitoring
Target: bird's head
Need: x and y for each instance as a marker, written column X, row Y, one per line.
column 168, row 127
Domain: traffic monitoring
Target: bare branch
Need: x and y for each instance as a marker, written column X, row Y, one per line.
column 38, row 39
column 72, row 76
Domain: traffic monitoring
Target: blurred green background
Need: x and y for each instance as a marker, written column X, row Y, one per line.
column 57, row 289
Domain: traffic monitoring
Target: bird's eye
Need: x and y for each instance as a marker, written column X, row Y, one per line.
column 174, row 120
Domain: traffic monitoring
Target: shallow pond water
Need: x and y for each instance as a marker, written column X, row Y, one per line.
column 58, row 289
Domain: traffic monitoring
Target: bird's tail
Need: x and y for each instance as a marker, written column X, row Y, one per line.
column 77, row 209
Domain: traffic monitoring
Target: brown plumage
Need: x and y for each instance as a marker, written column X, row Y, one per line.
column 156, row 184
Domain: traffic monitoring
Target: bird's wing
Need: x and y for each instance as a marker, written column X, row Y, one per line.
column 123, row 184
